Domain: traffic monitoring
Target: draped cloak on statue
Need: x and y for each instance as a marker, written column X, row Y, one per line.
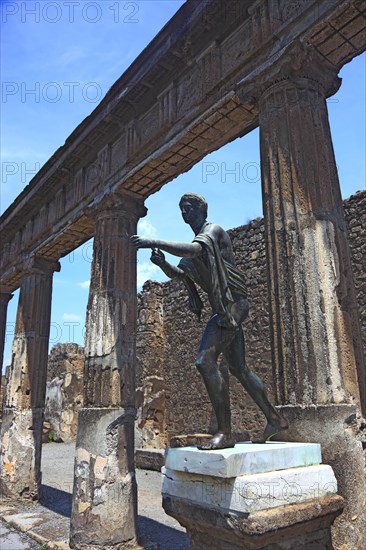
column 215, row 276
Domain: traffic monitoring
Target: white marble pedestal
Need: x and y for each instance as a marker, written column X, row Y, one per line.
column 252, row 496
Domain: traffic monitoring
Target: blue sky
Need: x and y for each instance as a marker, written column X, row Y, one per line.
column 58, row 60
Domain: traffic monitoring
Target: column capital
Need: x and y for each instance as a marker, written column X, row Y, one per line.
column 298, row 65
column 5, row 293
column 5, row 297
column 38, row 264
column 124, row 204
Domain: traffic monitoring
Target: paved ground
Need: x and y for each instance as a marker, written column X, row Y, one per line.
column 11, row 539
column 49, row 522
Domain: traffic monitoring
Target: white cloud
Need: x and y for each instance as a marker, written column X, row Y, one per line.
column 146, row 229
column 85, row 284
column 70, row 317
column 145, row 271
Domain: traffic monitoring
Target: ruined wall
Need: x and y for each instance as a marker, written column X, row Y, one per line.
column 150, row 376
column 355, row 211
column 64, row 394
column 2, row 395
column 169, row 335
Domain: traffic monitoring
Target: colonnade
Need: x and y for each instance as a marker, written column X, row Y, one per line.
column 316, row 347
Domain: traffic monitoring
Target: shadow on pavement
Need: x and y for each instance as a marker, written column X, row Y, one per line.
column 163, row 536
column 156, row 534
column 56, row 500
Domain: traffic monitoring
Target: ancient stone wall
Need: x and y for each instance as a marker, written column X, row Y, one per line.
column 150, row 381
column 169, row 335
column 355, row 211
column 2, row 394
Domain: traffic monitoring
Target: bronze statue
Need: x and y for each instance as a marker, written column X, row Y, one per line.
column 209, row 262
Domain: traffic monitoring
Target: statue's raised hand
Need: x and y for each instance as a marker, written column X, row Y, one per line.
column 141, row 242
column 157, row 257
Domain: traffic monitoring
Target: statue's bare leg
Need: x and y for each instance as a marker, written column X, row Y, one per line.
column 217, row 388
column 235, row 356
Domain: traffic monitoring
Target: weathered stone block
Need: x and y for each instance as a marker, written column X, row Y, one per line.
column 104, row 511
column 268, row 510
column 244, row 458
column 251, row 493
column 20, row 474
column 304, row 526
column 149, row 459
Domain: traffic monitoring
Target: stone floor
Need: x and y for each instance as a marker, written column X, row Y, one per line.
column 48, row 523
column 11, row 539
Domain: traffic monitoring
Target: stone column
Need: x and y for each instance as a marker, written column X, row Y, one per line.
column 319, row 372
column 21, row 437
column 105, row 493
column 313, row 310
column 5, row 297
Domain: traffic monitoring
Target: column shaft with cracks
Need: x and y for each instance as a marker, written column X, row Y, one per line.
column 105, row 493
column 5, row 297
column 315, row 328
column 21, row 437
column 319, row 371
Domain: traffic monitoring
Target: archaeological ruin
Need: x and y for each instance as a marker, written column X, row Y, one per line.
column 216, row 71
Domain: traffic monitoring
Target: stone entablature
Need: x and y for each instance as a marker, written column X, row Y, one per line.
column 153, row 123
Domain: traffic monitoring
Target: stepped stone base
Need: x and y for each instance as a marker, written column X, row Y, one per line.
column 304, row 526
column 276, row 496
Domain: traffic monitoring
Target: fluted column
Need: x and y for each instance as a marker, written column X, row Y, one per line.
column 105, row 494
column 318, row 361
column 21, row 437
column 5, row 297
column 314, row 318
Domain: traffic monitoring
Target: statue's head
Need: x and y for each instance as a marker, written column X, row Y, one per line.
column 197, row 201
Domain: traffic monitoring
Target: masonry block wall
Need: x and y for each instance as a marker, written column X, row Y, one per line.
column 355, row 211
column 174, row 397
column 2, row 392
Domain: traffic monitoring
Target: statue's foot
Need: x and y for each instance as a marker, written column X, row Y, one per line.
column 218, row 441
column 272, row 429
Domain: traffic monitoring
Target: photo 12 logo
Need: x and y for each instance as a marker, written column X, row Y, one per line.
column 51, row 92
column 236, row 172
column 21, row 170
column 70, row 11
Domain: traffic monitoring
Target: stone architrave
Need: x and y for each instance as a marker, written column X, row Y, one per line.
column 105, row 492
column 316, row 343
column 5, row 297
column 21, row 437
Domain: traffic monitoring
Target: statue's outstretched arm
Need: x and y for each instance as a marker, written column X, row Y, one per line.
column 171, row 271
column 183, row 250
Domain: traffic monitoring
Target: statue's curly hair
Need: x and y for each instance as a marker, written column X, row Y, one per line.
column 197, row 200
